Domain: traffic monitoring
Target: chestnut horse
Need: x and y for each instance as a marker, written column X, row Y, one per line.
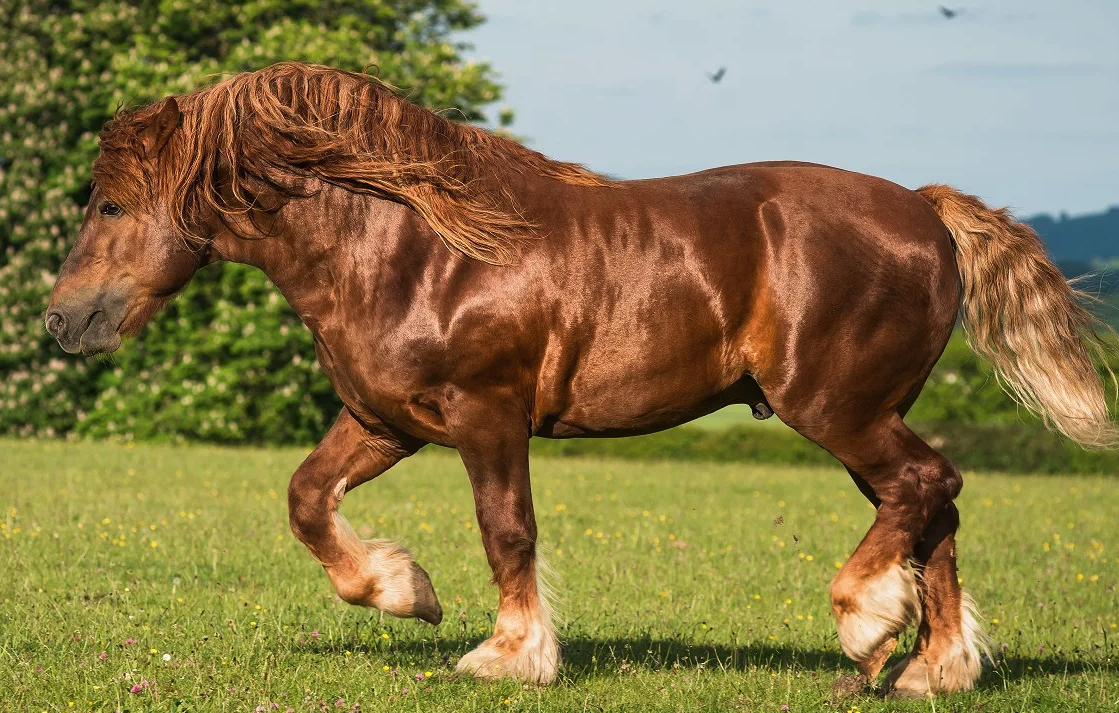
column 568, row 305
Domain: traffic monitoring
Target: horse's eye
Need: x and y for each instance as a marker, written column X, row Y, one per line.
column 110, row 209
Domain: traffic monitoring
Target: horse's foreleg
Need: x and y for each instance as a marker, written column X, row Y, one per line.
column 946, row 655
column 523, row 644
column 372, row 573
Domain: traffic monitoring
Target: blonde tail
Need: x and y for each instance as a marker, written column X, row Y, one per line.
column 1020, row 314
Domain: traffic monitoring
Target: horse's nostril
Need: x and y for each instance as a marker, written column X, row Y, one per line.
column 55, row 323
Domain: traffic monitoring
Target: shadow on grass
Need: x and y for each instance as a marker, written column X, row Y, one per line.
column 584, row 656
column 587, row 658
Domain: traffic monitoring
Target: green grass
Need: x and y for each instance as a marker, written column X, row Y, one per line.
column 679, row 590
column 736, row 415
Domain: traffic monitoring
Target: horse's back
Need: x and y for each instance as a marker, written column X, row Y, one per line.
column 811, row 225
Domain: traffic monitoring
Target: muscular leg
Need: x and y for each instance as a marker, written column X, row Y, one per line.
column 372, row 573
column 872, row 666
column 875, row 594
column 524, row 643
column 946, row 655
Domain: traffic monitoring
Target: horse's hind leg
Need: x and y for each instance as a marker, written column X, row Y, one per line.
column 946, row 655
column 372, row 573
column 875, row 595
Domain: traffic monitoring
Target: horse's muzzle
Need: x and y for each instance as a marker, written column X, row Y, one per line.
column 88, row 326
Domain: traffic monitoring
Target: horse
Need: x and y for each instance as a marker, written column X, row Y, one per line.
column 466, row 291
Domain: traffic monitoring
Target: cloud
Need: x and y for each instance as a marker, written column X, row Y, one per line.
column 933, row 16
column 871, row 18
column 1014, row 70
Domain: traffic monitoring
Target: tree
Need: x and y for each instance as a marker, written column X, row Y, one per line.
column 228, row 360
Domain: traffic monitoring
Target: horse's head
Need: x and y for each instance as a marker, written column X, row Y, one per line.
column 129, row 258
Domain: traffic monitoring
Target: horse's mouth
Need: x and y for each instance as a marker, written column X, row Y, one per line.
column 85, row 329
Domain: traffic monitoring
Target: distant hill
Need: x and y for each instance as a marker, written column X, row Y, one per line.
column 1086, row 245
column 1089, row 239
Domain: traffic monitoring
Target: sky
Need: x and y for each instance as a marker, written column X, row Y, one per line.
column 1016, row 101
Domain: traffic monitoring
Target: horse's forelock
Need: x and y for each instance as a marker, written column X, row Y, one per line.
column 120, row 170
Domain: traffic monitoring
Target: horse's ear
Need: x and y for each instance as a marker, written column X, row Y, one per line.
column 154, row 137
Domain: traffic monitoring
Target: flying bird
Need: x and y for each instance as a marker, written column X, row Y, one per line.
column 948, row 12
column 717, row 76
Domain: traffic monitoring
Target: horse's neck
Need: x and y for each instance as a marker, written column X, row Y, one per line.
column 337, row 235
column 332, row 237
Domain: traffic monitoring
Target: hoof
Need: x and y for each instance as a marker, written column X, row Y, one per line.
column 909, row 680
column 851, row 687
column 493, row 660
column 523, row 647
column 426, row 606
column 946, row 665
column 918, row 677
column 382, row 575
column 918, row 693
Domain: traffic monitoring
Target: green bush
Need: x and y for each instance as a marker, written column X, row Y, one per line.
column 997, row 447
column 228, row 361
column 962, row 389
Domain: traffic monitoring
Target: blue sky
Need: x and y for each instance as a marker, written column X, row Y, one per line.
column 1015, row 101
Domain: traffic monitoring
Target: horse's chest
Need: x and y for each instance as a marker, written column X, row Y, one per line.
column 339, row 377
column 378, row 389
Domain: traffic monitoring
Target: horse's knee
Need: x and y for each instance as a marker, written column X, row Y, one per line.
column 939, row 480
column 348, row 456
column 945, row 478
column 940, row 484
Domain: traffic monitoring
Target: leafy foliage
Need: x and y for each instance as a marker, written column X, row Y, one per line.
column 1006, row 448
column 229, row 360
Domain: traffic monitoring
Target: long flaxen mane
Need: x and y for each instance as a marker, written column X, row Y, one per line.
column 260, row 138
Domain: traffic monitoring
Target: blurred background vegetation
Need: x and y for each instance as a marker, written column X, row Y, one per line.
column 229, row 361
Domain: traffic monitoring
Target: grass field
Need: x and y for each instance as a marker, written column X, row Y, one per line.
column 734, row 415
column 171, row 572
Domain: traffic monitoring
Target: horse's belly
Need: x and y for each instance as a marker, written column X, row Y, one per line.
column 670, row 360
column 623, row 399
column 608, row 422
